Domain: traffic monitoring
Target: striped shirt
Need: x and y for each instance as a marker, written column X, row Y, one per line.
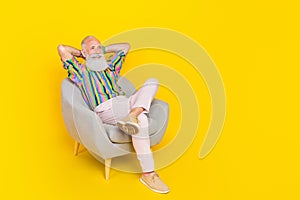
column 96, row 86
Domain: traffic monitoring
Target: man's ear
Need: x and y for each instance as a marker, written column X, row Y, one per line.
column 83, row 53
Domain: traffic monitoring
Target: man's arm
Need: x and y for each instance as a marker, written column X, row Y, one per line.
column 116, row 47
column 67, row 52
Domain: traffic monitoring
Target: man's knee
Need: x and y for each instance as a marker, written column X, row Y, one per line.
column 143, row 120
column 152, row 81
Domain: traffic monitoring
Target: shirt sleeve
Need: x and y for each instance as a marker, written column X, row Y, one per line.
column 117, row 61
column 74, row 69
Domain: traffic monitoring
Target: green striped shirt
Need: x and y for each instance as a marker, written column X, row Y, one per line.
column 96, row 86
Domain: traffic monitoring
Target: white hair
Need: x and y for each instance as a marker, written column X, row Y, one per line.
column 85, row 39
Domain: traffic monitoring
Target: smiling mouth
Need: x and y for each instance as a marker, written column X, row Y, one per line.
column 96, row 56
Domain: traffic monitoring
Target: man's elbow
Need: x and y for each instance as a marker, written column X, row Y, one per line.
column 60, row 48
column 127, row 47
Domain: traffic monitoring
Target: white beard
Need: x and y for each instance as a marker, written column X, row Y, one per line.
column 96, row 62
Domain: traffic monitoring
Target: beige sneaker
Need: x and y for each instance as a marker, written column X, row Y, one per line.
column 129, row 125
column 154, row 183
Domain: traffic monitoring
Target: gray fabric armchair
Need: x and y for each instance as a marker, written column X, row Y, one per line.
column 105, row 141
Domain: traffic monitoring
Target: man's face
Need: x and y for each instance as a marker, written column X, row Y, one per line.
column 92, row 46
column 95, row 59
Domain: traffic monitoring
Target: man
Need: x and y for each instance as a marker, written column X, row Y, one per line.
column 97, row 79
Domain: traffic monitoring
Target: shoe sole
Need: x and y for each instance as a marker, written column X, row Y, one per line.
column 154, row 190
column 129, row 128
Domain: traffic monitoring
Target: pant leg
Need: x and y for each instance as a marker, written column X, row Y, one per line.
column 113, row 109
column 144, row 96
column 117, row 108
column 141, row 142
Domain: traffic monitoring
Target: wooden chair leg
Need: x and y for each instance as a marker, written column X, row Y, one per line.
column 76, row 148
column 107, row 167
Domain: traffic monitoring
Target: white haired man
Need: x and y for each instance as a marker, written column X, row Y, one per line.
column 97, row 80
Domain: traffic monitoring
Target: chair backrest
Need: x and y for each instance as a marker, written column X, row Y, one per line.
column 126, row 86
column 71, row 95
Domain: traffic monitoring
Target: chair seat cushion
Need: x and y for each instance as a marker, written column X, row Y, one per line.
column 117, row 136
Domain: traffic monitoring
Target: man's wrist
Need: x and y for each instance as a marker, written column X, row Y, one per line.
column 77, row 53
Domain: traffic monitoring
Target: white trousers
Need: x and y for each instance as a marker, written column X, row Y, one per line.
column 119, row 107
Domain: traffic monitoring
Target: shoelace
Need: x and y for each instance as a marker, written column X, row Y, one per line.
column 154, row 177
column 133, row 118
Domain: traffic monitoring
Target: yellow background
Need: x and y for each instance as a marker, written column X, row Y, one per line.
column 255, row 45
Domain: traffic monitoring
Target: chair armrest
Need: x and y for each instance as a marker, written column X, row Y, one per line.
column 126, row 86
column 159, row 111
